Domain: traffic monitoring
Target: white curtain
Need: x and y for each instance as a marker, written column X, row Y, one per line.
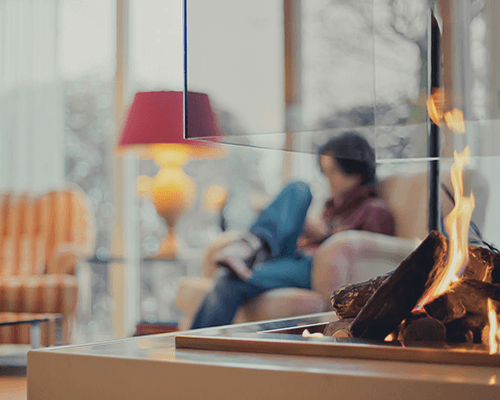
column 31, row 97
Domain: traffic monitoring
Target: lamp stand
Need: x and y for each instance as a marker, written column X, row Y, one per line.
column 171, row 191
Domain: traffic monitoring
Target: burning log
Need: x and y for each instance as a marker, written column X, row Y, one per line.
column 420, row 327
column 495, row 273
column 380, row 305
column 339, row 328
column 463, row 308
column 447, row 307
column 398, row 295
column 482, row 263
column 467, row 329
column 465, row 295
column 350, row 299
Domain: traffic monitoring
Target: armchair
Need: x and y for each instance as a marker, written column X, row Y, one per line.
column 347, row 257
column 42, row 240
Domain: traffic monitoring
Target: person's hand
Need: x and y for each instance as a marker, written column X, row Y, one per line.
column 316, row 229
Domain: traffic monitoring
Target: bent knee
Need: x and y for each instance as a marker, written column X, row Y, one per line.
column 300, row 188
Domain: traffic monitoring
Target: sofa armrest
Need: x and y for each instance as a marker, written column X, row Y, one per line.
column 356, row 256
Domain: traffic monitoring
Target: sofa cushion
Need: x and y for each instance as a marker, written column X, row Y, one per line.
column 39, row 294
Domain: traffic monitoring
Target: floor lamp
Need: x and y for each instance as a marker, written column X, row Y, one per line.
column 153, row 127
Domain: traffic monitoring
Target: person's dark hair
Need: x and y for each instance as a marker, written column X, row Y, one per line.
column 354, row 155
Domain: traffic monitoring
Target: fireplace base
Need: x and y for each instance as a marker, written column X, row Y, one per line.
column 151, row 367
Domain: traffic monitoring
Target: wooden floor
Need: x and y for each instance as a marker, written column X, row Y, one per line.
column 13, row 387
column 13, row 381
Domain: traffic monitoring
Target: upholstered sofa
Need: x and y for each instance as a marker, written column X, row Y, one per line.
column 42, row 241
column 346, row 257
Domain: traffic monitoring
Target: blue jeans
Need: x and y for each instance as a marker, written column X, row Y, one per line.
column 280, row 225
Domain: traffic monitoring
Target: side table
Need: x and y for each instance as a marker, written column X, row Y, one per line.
column 153, row 302
column 158, row 289
column 9, row 318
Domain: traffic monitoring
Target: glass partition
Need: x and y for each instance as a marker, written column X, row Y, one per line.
column 292, row 72
column 419, row 78
column 312, row 68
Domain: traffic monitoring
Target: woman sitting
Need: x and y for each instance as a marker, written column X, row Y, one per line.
column 278, row 249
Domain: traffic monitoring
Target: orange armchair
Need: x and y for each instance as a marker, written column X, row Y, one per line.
column 42, row 240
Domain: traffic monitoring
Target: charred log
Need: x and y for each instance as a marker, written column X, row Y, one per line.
column 335, row 327
column 463, row 308
column 423, row 329
column 481, row 265
column 467, row 329
column 466, row 294
column 495, row 273
column 350, row 299
column 445, row 308
column 399, row 293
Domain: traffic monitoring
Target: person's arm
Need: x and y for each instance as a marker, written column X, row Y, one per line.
column 316, row 230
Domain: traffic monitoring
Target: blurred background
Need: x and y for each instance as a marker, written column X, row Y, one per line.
column 282, row 76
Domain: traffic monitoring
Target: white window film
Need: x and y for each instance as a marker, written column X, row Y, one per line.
column 235, row 54
column 87, row 38
column 31, row 101
column 156, row 52
column 87, row 61
column 87, row 43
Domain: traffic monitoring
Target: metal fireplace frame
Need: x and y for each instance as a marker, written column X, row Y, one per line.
column 278, row 340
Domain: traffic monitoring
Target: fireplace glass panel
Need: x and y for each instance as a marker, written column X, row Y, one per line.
column 363, row 65
column 366, row 68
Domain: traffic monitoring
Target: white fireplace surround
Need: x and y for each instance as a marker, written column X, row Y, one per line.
column 151, row 367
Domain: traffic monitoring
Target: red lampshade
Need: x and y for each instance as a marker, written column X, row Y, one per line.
column 157, row 117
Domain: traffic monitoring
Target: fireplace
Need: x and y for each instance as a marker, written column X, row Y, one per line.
column 439, row 305
column 457, row 330
column 380, row 319
column 290, row 341
column 154, row 367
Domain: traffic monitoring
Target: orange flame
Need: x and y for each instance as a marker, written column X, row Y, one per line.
column 435, row 106
column 457, row 225
column 494, row 333
column 389, row 338
column 306, row 333
column 458, row 220
column 455, row 120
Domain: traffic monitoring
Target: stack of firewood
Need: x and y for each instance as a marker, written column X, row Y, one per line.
column 385, row 305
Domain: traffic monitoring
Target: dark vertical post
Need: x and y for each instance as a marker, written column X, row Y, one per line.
column 291, row 23
column 185, row 90
column 434, row 150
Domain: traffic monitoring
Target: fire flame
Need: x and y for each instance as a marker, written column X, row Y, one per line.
column 457, row 225
column 494, row 333
column 389, row 338
column 455, row 120
column 435, row 106
column 458, row 220
column 306, row 333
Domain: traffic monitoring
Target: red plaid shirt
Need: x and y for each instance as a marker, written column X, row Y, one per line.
column 358, row 209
